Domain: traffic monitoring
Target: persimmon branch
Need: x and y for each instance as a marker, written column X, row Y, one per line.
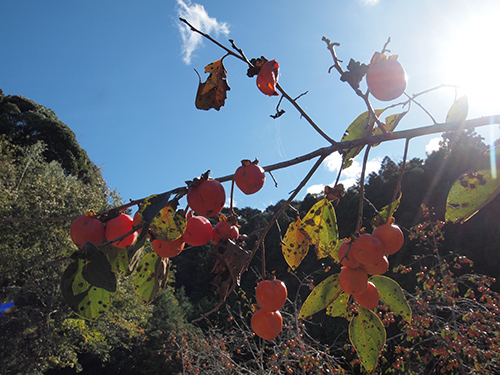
column 304, row 114
column 323, row 152
column 243, row 58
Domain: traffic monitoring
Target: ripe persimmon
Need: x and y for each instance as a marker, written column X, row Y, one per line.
column 391, row 236
column 353, row 280
column 378, row 269
column 86, row 228
column 271, row 294
column 268, row 77
column 249, row 177
column 367, row 249
column 369, row 299
column 347, row 260
column 207, row 198
column 386, row 78
column 198, row 231
column 267, row 324
column 224, row 230
column 117, row 227
column 168, row 249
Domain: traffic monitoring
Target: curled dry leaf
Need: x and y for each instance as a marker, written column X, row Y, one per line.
column 212, row 92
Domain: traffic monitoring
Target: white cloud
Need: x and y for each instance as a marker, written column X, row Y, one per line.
column 197, row 16
column 315, row 189
column 433, row 145
column 350, row 176
column 370, row 2
column 333, row 162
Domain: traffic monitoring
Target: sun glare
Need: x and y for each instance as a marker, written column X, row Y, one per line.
column 472, row 61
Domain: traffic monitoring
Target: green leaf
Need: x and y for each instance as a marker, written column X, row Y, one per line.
column 321, row 296
column 386, row 213
column 97, row 270
column 320, row 228
column 338, row 308
column 392, row 296
column 118, row 258
column 295, row 245
column 458, row 110
column 88, row 301
column 359, row 128
column 368, row 336
column 390, row 123
column 151, row 277
column 470, row 192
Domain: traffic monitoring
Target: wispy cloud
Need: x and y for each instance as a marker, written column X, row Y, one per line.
column 370, row 2
column 197, row 16
column 350, row 176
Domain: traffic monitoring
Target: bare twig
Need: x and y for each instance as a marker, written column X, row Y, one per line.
column 400, row 179
column 331, row 48
column 362, row 190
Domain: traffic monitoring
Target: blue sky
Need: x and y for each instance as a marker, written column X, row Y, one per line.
column 121, row 75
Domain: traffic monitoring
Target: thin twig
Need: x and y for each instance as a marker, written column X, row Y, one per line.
column 400, row 179
column 338, row 67
column 362, row 190
column 304, row 114
column 194, row 29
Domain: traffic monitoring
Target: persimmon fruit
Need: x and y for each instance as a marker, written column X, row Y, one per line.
column 268, row 77
column 379, row 268
column 225, row 230
column 168, row 249
column 369, row 299
column 271, row 294
column 249, row 177
column 353, row 280
column 86, row 228
column 117, row 227
column 367, row 249
column 198, row 231
column 386, row 79
column 391, row 236
column 207, row 198
column 347, row 260
column 267, row 324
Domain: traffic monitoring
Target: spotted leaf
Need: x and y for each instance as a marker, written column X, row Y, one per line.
column 151, row 276
column 368, row 336
column 295, row 245
column 321, row 296
column 392, row 296
column 320, row 227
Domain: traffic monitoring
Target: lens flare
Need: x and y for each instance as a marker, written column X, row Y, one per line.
column 6, row 308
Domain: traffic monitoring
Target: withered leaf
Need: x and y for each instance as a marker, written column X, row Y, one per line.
column 230, row 260
column 212, row 92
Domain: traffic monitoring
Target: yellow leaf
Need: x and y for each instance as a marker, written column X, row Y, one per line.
column 320, row 227
column 295, row 245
